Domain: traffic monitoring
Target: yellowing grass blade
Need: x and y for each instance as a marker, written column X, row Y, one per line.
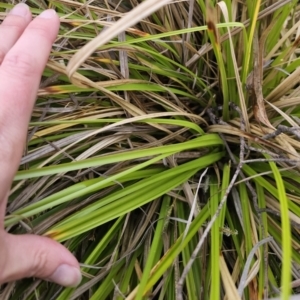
column 229, row 286
column 137, row 14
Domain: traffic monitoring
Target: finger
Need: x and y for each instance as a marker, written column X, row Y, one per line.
column 20, row 75
column 35, row 256
column 12, row 27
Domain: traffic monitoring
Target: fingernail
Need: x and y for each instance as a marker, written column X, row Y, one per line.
column 66, row 275
column 48, row 14
column 20, row 9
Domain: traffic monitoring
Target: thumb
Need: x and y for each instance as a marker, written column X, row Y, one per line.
column 35, row 256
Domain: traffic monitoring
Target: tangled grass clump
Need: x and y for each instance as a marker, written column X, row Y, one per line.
column 168, row 163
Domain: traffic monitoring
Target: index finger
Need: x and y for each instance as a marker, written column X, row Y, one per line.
column 20, row 74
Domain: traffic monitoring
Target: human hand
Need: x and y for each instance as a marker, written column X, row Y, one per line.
column 24, row 49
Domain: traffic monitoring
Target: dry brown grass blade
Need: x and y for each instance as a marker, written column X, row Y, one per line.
column 284, row 115
column 229, row 286
column 95, row 8
column 285, row 102
column 233, row 131
column 137, row 14
column 284, row 87
column 259, row 110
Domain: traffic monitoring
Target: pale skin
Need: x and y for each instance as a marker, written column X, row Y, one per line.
column 24, row 50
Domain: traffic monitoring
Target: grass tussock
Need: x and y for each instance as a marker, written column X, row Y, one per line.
column 166, row 158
